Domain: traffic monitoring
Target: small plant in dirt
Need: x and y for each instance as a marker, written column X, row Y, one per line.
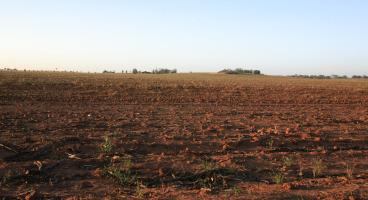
column 123, row 177
column 270, row 144
column 139, row 189
column 235, row 191
column 213, row 182
column 277, row 176
column 287, row 161
column 6, row 177
column 317, row 167
column 127, row 163
column 301, row 168
column 207, row 165
column 300, row 198
column 106, row 146
column 121, row 172
column 349, row 171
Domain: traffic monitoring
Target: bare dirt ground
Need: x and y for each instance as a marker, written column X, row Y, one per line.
column 184, row 136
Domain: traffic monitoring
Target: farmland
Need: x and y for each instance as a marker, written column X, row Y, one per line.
column 182, row 136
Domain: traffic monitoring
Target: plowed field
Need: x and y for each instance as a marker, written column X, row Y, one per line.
column 182, row 136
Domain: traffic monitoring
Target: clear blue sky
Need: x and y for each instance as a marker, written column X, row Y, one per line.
column 275, row 36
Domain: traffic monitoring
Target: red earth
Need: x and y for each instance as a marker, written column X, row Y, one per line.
column 182, row 136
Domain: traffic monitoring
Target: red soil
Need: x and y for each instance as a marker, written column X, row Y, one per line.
column 184, row 136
